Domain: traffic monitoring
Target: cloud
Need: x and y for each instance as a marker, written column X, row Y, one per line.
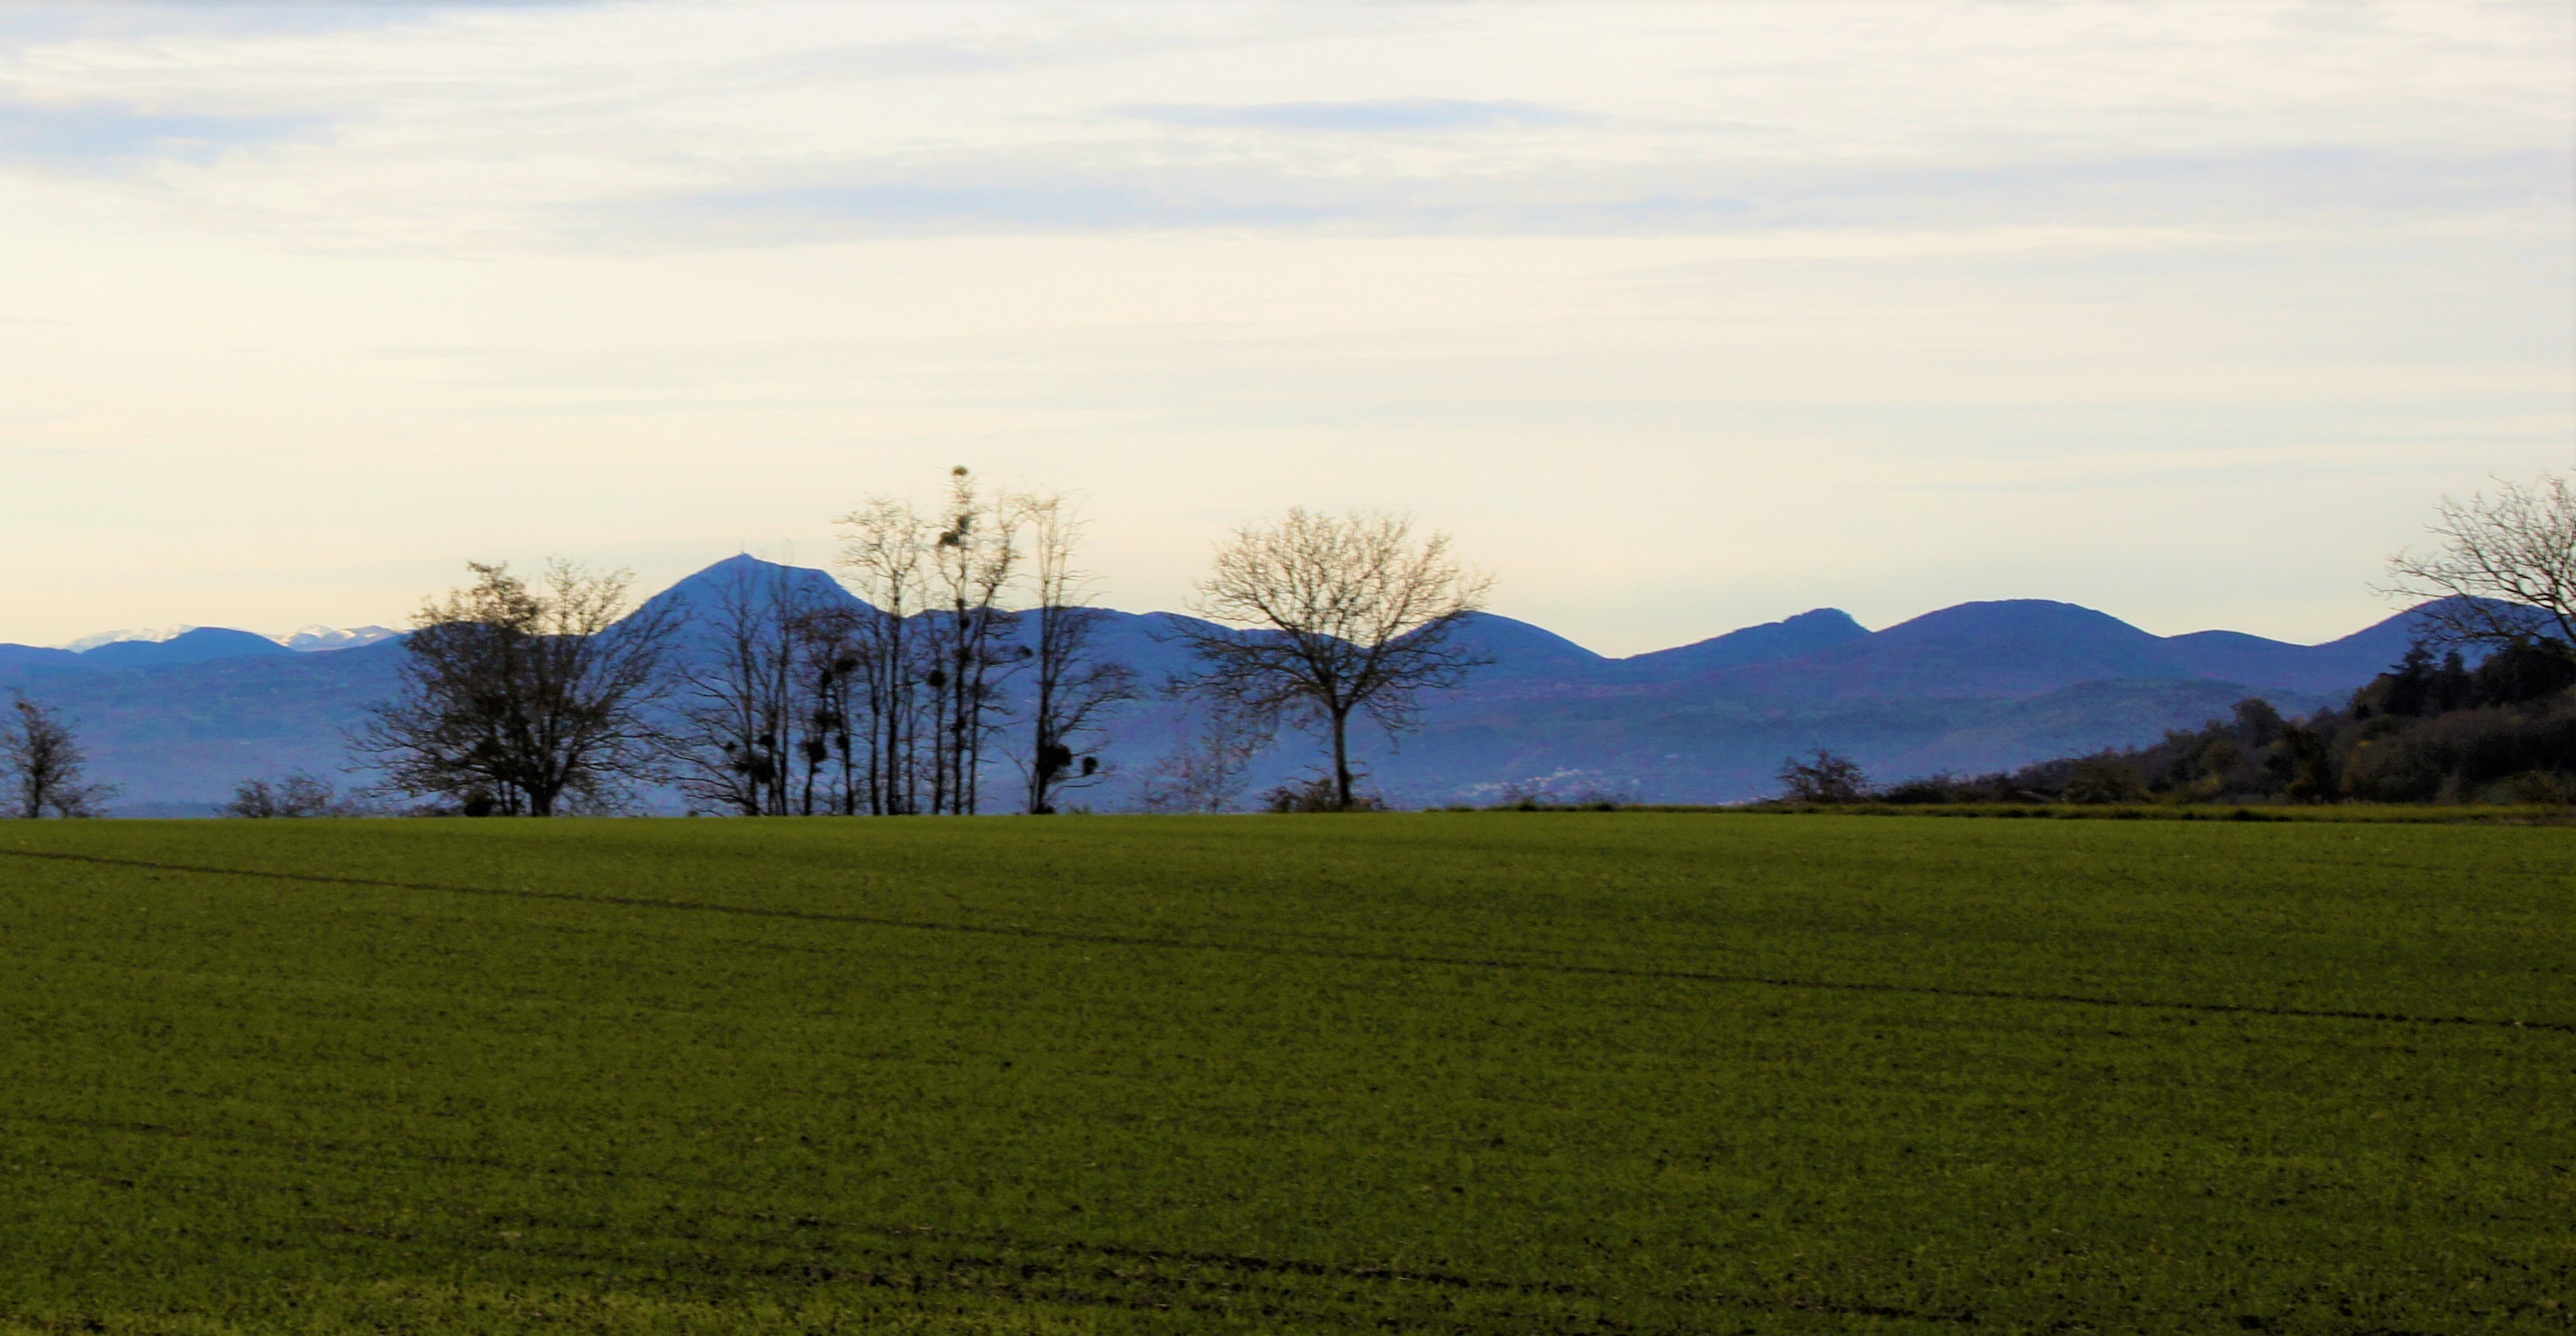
column 25, row 26
column 1034, row 193
column 1399, row 115
column 105, row 137
column 1107, row 189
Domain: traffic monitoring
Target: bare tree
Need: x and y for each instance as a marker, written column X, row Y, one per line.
column 974, row 558
column 884, row 548
column 2505, row 573
column 1205, row 769
column 832, row 679
column 1824, row 777
column 295, row 794
column 519, row 698
column 1329, row 616
column 1074, row 688
column 743, row 699
column 42, row 761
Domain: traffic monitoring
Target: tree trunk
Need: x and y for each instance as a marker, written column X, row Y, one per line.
column 1341, row 761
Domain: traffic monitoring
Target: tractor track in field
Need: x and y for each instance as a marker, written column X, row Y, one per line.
column 991, row 1263
column 1310, row 952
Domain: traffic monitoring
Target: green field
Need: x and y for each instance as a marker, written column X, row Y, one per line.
column 1433, row 1072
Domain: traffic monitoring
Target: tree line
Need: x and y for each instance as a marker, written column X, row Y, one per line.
column 954, row 668
column 794, row 700
column 2482, row 707
column 2429, row 730
column 967, row 677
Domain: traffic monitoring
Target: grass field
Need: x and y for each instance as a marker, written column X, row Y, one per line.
column 1474, row 1072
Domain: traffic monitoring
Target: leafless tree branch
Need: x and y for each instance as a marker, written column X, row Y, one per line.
column 1329, row 616
column 41, row 761
column 525, row 698
column 2505, row 571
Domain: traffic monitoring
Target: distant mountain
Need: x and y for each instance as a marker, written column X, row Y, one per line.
column 2022, row 647
column 90, row 642
column 179, row 736
column 205, row 644
column 1979, row 686
column 2335, row 667
column 747, row 577
column 128, row 645
column 1521, row 651
column 2025, row 647
column 27, row 656
column 1806, row 633
column 318, row 639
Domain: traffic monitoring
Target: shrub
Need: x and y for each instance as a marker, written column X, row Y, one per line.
column 2103, row 778
column 295, row 795
column 1318, row 795
column 2541, row 787
column 1823, row 778
column 1566, row 790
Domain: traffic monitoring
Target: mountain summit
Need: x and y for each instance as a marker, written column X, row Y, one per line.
column 205, row 644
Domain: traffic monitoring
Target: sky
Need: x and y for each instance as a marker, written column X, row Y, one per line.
column 1680, row 317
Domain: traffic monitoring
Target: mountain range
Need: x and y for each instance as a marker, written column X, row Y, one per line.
column 1975, row 687
column 190, row 644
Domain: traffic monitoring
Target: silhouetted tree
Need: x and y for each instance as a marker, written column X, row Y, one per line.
column 744, row 699
column 1823, row 777
column 1074, row 688
column 2105, row 777
column 833, row 677
column 2304, row 763
column 2518, row 673
column 2408, row 687
column 1325, row 617
column 1318, row 794
column 1204, row 770
column 925, row 674
column 42, row 761
column 973, row 561
column 884, row 548
column 2452, row 685
column 296, row 794
column 2257, row 723
column 2505, row 572
column 519, row 698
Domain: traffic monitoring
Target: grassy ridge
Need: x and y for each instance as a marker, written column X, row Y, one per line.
column 1627, row 1072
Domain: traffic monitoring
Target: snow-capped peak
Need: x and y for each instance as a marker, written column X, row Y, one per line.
column 313, row 638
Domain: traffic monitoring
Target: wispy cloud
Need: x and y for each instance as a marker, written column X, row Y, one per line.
column 105, row 137
column 25, row 25
column 1396, row 115
column 1108, row 189
column 1698, row 277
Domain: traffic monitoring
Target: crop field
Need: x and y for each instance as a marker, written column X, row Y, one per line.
column 1476, row 1072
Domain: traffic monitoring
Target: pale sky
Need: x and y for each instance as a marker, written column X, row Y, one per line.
column 1679, row 316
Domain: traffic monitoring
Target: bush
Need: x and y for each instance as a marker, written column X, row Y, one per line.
column 295, row 795
column 1823, row 778
column 1562, row 792
column 1317, row 795
column 1924, row 789
column 2104, row 778
column 2542, row 788
column 2522, row 672
column 2458, row 754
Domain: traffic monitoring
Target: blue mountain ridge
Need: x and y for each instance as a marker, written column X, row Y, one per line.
column 205, row 644
column 1978, row 686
